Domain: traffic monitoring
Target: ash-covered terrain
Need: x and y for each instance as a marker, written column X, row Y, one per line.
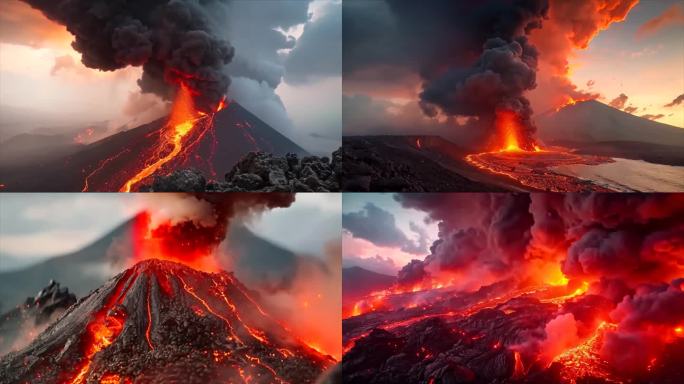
column 162, row 322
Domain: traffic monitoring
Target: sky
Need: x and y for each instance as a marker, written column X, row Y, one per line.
column 286, row 70
column 36, row 226
column 380, row 235
column 628, row 53
column 646, row 65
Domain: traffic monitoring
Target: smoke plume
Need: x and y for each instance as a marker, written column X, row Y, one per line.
column 171, row 40
column 189, row 228
column 505, row 69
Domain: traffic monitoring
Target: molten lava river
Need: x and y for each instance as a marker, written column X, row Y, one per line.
column 505, row 332
column 524, row 161
column 167, row 148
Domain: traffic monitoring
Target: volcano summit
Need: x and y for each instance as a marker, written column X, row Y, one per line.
column 162, row 322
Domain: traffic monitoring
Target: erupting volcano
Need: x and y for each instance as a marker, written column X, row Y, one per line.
column 161, row 321
column 520, row 158
column 174, row 315
column 550, row 289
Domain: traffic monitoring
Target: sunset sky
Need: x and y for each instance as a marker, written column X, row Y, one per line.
column 43, row 82
column 382, row 236
column 585, row 47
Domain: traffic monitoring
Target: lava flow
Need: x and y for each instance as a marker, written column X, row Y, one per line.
column 517, row 156
column 184, row 118
column 540, row 288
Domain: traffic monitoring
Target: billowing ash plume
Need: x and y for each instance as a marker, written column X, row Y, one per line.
column 484, row 235
column 189, row 227
column 595, row 237
column 505, row 69
column 170, row 39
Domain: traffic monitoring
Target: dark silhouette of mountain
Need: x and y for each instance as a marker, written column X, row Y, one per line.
column 358, row 282
column 81, row 271
column 595, row 128
column 163, row 322
column 107, row 164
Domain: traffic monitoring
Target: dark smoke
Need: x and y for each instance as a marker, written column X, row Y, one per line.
column 203, row 235
column 493, row 238
column 496, row 82
column 491, row 34
column 644, row 318
column 171, row 40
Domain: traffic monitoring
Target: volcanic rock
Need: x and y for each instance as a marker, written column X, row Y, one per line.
column 34, row 314
column 262, row 172
column 162, row 322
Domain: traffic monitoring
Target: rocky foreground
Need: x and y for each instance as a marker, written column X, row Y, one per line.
column 260, row 172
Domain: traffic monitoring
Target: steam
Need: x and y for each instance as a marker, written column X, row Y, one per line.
column 171, row 40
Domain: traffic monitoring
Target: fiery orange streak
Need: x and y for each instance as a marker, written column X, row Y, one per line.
column 99, row 168
column 190, row 290
column 584, row 359
column 148, row 331
column 254, row 333
column 271, row 370
column 103, row 330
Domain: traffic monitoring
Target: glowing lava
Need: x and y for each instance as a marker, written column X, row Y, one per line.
column 181, row 122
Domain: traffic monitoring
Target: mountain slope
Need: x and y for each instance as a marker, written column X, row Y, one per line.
column 107, row 164
column 81, row 271
column 358, row 282
column 162, row 322
column 591, row 121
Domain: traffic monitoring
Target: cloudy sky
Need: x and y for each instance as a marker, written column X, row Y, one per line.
column 35, row 226
column 380, row 235
column 286, row 70
column 628, row 53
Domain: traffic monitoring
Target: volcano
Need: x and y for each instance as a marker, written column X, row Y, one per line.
column 163, row 322
column 212, row 144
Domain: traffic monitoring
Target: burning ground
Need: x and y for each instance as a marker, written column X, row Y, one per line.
column 530, row 289
column 175, row 314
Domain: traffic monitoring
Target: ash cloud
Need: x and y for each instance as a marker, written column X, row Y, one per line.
column 171, row 40
column 202, row 220
column 643, row 320
column 477, row 60
column 632, row 238
column 480, row 235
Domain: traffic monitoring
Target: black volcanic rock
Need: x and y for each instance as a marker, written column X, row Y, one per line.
column 397, row 164
column 162, row 322
column 261, row 172
column 35, row 313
